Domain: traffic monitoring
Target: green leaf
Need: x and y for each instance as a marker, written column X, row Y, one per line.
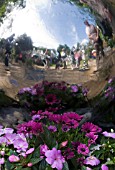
column 83, row 168
column 47, row 136
column 20, row 167
column 9, row 166
column 43, row 165
column 65, row 167
column 36, row 153
column 34, row 168
column 35, row 160
column 48, row 168
column 110, row 163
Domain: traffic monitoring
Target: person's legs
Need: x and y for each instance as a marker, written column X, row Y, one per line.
column 96, row 45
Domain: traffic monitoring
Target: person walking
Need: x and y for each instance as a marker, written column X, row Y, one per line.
column 93, row 35
column 63, row 58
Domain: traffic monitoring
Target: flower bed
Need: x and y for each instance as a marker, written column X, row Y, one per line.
column 52, row 138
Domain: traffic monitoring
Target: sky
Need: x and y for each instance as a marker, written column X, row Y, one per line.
column 48, row 22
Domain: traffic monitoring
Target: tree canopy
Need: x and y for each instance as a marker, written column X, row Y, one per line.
column 4, row 4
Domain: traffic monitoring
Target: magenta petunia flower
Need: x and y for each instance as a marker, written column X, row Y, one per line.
column 92, row 160
column 90, row 127
column 65, row 128
column 43, row 149
column 80, row 160
column 33, row 92
column 30, row 128
column 107, row 134
column 68, row 153
column 52, row 128
column 36, row 117
column 55, row 118
column 51, row 99
column 92, row 136
column 83, row 149
column 25, row 89
column 104, row 167
column 74, row 88
column 54, row 158
column 14, row 158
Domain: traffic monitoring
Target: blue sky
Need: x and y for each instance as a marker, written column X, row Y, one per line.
column 48, row 22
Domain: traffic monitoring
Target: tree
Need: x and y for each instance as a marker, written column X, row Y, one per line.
column 24, row 42
column 4, row 4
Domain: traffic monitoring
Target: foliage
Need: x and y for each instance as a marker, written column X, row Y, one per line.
column 67, row 49
column 104, row 107
column 4, row 4
column 24, row 43
column 53, row 96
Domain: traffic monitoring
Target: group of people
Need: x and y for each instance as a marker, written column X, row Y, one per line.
column 77, row 55
column 63, row 59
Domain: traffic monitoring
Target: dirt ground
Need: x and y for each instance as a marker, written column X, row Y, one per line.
column 18, row 76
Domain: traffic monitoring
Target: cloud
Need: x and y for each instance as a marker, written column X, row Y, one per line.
column 47, row 23
column 84, row 41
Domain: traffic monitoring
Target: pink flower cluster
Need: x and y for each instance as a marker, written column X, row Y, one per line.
column 19, row 142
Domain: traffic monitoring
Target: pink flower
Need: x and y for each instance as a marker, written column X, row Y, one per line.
column 29, row 164
column 54, row 158
column 87, row 168
column 104, row 167
column 29, row 151
column 36, row 117
column 92, row 136
column 107, row 134
column 10, row 138
column 92, row 160
column 43, row 149
column 52, row 128
column 51, row 99
column 74, row 88
column 69, row 154
column 2, row 153
column 83, row 149
column 14, row 158
column 63, row 144
column 80, row 160
column 90, row 127
column 1, row 161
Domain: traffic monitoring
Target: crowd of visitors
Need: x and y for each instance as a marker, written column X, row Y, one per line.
column 75, row 58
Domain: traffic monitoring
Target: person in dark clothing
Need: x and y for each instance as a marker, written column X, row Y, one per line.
column 58, row 61
column 6, row 59
column 93, row 34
